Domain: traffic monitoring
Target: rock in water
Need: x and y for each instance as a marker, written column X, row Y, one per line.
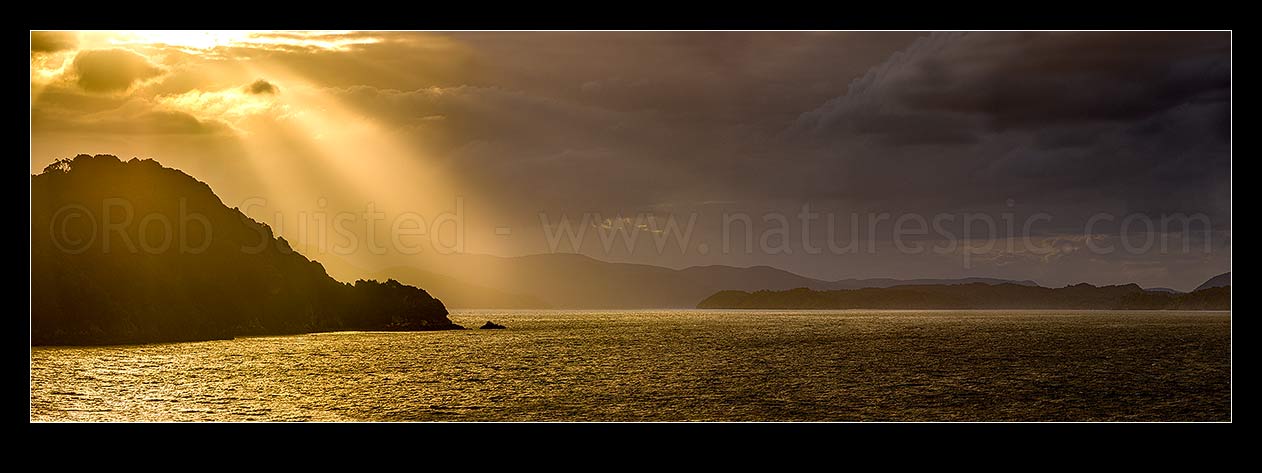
column 492, row 325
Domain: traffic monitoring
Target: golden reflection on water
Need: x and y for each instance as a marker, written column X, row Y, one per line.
column 669, row 365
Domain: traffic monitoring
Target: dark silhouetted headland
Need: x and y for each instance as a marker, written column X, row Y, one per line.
column 133, row 252
column 975, row 296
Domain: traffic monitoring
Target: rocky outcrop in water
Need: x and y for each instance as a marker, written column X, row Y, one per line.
column 489, row 325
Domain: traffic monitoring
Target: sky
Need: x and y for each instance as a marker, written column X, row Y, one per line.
column 1059, row 157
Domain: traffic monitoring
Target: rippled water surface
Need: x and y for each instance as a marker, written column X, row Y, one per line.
column 670, row 365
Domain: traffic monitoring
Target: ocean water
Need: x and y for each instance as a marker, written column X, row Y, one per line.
column 682, row 365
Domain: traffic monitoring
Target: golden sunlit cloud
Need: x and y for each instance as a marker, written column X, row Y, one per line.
column 112, row 70
column 47, row 67
column 55, row 53
column 230, row 105
column 203, row 41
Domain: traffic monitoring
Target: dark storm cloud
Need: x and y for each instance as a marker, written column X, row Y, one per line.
column 112, row 70
column 53, row 41
column 703, row 78
column 1037, row 79
column 1033, row 79
column 262, row 87
column 914, row 129
column 1071, row 122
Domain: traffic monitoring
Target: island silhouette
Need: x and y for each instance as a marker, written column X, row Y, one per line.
column 976, row 296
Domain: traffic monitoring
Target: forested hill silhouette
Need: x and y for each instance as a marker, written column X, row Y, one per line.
column 178, row 265
column 975, row 296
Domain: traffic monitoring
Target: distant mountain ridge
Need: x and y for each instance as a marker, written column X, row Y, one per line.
column 1221, row 280
column 574, row 281
column 461, row 295
column 221, row 275
column 888, row 282
column 974, row 296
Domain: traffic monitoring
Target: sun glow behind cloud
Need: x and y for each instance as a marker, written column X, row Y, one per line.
column 305, row 149
column 229, row 105
column 157, row 45
column 203, row 41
